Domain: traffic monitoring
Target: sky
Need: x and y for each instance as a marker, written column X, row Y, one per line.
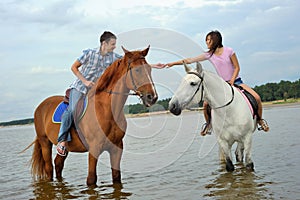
column 41, row 39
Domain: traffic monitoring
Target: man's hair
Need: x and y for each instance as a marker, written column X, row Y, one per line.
column 106, row 36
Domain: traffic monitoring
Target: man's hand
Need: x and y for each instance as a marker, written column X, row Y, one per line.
column 158, row 66
column 89, row 84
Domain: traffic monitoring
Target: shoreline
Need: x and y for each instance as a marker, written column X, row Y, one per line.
column 280, row 103
column 266, row 105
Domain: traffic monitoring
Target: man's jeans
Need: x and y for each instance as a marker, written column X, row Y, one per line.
column 67, row 117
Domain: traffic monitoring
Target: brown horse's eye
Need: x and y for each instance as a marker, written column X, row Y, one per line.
column 137, row 70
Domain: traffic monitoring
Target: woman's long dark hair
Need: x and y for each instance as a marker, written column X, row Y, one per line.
column 216, row 37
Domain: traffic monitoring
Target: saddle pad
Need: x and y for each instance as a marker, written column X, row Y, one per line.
column 251, row 101
column 60, row 109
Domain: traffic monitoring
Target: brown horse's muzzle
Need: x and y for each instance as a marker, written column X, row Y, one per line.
column 149, row 97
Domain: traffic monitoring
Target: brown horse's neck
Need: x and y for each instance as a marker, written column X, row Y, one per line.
column 111, row 76
column 111, row 89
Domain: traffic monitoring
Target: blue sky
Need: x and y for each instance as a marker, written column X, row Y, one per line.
column 41, row 39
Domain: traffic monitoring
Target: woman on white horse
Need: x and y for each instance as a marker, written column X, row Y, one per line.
column 227, row 66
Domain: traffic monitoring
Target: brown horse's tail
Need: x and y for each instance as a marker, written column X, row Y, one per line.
column 37, row 161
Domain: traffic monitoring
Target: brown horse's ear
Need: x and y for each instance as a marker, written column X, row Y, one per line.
column 129, row 54
column 145, row 51
column 125, row 50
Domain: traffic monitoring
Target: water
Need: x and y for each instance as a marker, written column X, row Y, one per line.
column 166, row 158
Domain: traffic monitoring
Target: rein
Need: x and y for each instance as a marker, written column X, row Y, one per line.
column 201, row 99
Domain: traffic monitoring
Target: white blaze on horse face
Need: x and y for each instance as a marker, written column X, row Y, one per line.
column 143, row 84
column 152, row 84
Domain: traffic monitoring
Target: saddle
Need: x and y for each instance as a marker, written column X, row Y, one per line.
column 60, row 109
column 250, row 100
column 67, row 96
column 77, row 115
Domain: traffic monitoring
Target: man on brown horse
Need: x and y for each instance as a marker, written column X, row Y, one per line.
column 93, row 62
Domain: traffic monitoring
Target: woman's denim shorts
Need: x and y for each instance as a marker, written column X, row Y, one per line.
column 238, row 81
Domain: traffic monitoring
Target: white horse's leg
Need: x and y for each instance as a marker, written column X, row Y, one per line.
column 226, row 148
column 221, row 155
column 248, row 146
column 239, row 152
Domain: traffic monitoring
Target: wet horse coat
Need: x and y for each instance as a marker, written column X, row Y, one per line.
column 103, row 126
column 231, row 119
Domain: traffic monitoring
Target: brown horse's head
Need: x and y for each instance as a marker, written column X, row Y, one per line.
column 138, row 75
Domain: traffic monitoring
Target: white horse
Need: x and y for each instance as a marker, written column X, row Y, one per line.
column 231, row 117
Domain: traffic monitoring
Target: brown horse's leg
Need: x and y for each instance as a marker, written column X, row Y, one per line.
column 115, row 160
column 59, row 165
column 46, row 146
column 39, row 167
column 92, row 176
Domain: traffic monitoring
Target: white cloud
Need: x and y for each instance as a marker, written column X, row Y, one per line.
column 46, row 70
column 41, row 39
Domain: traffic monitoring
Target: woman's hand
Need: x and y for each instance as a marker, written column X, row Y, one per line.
column 231, row 82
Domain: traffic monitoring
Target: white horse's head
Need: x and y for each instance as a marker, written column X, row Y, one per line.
column 188, row 91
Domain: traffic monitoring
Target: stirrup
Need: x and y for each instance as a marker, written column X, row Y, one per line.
column 205, row 129
column 263, row 125
column 61, row 150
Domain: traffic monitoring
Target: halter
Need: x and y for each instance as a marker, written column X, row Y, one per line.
column 132, row 80
column 201, row 78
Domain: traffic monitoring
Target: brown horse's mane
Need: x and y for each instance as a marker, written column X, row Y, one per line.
column 108, row 75
column 116, row 70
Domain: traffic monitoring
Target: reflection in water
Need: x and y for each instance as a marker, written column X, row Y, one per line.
column 190, row 176
column 63, row 190
column 109, row 191
column 240, row 184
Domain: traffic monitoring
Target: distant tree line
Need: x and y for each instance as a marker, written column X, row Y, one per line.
column 268, row 92
column 161, row 105
column 279, row 91
column 17, row 122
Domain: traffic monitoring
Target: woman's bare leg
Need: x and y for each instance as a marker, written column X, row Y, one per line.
column 205, row 111
column 207, row 125
column 261, row 122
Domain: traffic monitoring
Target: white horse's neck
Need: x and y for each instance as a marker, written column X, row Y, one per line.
column 216, row 91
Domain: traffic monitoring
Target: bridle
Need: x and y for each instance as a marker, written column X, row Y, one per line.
column 135, row 91
column 201, row 84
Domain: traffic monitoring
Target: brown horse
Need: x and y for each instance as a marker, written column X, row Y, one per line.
column 103, row 125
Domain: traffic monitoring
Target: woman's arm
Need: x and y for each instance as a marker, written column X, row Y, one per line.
column 236, row 66
column 199, row 58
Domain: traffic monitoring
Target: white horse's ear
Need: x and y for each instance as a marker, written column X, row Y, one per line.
column 199, row 67
column 187, row 68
